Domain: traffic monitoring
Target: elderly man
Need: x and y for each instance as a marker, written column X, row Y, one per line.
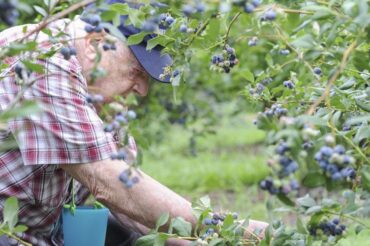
column 67, row 138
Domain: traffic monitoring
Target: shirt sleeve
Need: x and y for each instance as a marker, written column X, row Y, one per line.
column 68, row 129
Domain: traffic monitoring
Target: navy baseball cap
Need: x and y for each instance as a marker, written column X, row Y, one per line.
column 151, row 60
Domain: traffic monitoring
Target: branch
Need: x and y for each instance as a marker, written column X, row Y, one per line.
column 331, row 81
column 229, row 28
column 56, row 17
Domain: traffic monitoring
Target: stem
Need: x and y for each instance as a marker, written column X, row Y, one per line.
column 349, row 217
column 56, row 17
column 15, row 237
column 331, row 81
column 229, row 28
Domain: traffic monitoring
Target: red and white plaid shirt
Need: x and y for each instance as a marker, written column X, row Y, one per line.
column 66, row 131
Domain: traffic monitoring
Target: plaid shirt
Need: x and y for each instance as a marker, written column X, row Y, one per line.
column 66, row 131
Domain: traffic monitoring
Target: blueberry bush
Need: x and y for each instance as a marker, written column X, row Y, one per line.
column 303, row 64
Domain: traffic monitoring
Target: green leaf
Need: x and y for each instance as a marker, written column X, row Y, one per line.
column 162, row 220
column 248, row 75
column 363, row 105
column 365, row 177
column 313, row 209
column 136, row 38
column 40, row 10
column 205, row 201
column 306, row 201
column 160, row 239
column 33, row 66
column 182, row 227
column 147, row 240
column 159, row 40
column 10, row 212
column 362, row 133
column 286, row 200
column 27, row 108
column 121, row 8
column 305, row 42
column 216, row 241
column 20, row 228
column 313, row 179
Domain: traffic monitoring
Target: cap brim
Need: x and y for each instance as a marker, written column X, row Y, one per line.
column 152, row 61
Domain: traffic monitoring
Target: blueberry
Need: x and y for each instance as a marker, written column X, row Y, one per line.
column 317, row 70
column 336, row 221
column 98, row 28
column 326, row 151
column 98, row 98
column 252, row 42
column 284, row 52
column 207, row 221
column 332, row 169
column 106, row 47
column 89, row 28
column 294, row 185
column 121, row 119
column 263, row 185
column 169, row 20
column 249, row 8
column 214, row 222
column 259, row 88
column 270, row 15
column 338, row 231
column 200, row 7
column 323, row 164
column 318, row 156
column 343, row 227
column 337, row 176
column 175, row 73
column 187, row 9
column 256, row 3
column 148, row 26
column 19, row 70
column 109, row 128
column 339, row 149
column 131, row 114
column 129, row 183
column 73, row 51
column 66, row 53
column 94, row 20
column 289, row 84
column 235, row 216
column 135, row 180
column 183, row 28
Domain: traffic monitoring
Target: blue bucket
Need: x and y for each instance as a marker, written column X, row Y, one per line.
column 87, row 227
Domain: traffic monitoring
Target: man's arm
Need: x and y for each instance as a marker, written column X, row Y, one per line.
column 145, row 202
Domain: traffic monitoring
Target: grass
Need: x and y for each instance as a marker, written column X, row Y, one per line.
column 227, row 166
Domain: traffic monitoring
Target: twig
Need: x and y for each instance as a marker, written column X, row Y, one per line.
column 331, row 81
column 229, row 28
column 56, row 17
column 15, row 237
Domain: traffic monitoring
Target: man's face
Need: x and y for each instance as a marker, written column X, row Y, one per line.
column 124, row 74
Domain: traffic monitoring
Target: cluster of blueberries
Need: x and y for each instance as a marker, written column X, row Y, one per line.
column 289, row 84
column 197, row 7
column 287, row 167
column 67, row 52
column 216, row 218
column 121, row 118
column 163, row 22
column 328, row 228
column 128, row 179
column 21, row 71
column 226, row 60
column 94, row 98
column 275, row 187
column 9, row 14
column 249, row 6
column 276, row 110
column 260, row 86
column 335, row 163
column 93, row 23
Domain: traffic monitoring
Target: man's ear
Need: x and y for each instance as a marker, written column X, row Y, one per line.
column 92, row 43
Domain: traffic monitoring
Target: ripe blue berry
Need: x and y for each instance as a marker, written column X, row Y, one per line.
column 249, row 8
column 89, row 28
column 18, row 69
column 131, row 114
column 317, row 70
column 200, row 7
column 284, row 52
column 66, row 53
column 207, row 221
column 169, row 20
column 336, row 221
column 187, row 9
column 256, row 3
column 289, row 84
column 183, row 28
column 94, row 20
column 270, row 15
column 98, row 28
column 339, row 149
